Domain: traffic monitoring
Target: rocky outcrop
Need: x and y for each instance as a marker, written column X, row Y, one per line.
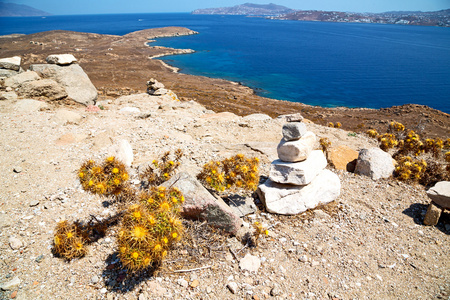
column 17, row 80
column 74, row 80
column 42, row 88
column 440, row 200
column 374, row 163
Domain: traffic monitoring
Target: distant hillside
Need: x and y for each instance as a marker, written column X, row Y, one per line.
column 246, row 9
column 20, row 10
column 432, row 18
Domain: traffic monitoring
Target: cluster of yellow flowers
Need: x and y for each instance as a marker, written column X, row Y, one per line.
column 396, row 127
column 387, row 141
column 235, row 172
column 108, row 178
column 372, row 133
column 69, row 240
column 162, row 169
column 409, row 169
column 150, row 228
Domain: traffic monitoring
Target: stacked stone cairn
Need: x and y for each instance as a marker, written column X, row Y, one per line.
column 156, row 88
column 298, row 180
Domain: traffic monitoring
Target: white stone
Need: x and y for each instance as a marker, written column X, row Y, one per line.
column 10, row 285
column 15, row 243
column 293, row 131
column 129, row 109
column 290, row 200
column 64, row 116
column 440, row 194
column 123, row 151
column 10, row 63
column 300, row 173
column 374, row 163
column 295, row 151
column 61, row 59
column 233, row 287
column 250, row 263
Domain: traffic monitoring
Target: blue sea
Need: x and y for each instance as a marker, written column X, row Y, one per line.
column 316, row 63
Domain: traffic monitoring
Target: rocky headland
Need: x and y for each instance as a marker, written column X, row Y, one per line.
column 347, row 232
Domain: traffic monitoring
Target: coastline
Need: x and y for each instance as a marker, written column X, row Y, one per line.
column 120, row 65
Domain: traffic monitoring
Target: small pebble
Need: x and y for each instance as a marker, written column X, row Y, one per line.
column 39, row 258
column 303, row 258
column 17, row 169
column 103, row 290
column 182, row 282
column 95, row 279
column 195, row 283
column 275, row 291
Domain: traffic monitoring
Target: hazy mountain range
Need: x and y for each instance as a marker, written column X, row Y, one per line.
column 246, row 9
column 19, row 10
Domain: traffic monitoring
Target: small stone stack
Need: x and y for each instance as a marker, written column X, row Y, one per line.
column 156, row 88
column 298, row 180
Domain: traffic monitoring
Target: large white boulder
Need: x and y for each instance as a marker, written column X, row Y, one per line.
column 10, row 63
column 290, row 200
column 300, row 173
column 74, row 80
column 374, row 163
column 295, row 151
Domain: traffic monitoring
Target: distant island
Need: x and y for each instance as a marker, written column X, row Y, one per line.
column 247, row 9
column 433, row 18
column 20, row 10
column 273, row 11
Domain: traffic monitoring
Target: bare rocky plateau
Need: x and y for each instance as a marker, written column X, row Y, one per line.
column 368, row 244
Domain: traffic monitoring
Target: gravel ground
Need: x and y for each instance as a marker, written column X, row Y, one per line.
column 368, row 244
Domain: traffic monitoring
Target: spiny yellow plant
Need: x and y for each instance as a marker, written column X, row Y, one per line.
column 260, row 230
column 330, row 124
column 409, row 169
column 396, row 127
column 108, row 178
column 150, row 228
column 433, row 146
column 372, row 133
column 235, row 172
column 338, row 125
column 325, row 144
column 162, row 169
column 69, row 240
column 387, row 141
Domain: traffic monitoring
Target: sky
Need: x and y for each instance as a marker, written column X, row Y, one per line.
column 66, row 7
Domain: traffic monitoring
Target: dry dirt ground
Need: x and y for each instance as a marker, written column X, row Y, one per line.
column 368, row 244
column 120, row 65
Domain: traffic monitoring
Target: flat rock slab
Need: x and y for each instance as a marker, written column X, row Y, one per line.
column 201, row 204
column 61, row 59
column 291, row 200
column 250, row 263
column 64, row 116
column 30, row 105
column 374, row 163
column 295, row 151
column 17, row 80
column 440, row 194
column 343, row 158
column 242, row 206
column 257, row 117
column 74, row 80
column 300, row 173
column 11, row 63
